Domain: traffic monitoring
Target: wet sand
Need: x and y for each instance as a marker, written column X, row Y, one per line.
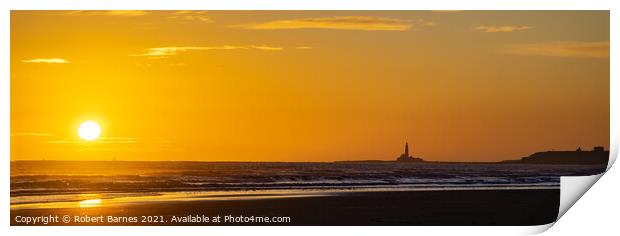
column 454, row 207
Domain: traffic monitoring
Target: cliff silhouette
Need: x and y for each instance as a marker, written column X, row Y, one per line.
column 596, row 156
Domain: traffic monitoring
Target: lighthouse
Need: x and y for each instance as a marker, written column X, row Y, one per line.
column 406, row 149
column 406, row 157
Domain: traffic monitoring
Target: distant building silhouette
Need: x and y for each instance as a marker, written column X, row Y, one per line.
column 405, row 156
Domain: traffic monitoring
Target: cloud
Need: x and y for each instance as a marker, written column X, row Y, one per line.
column 31, row 134
column 108, row 13
column 47, row 60
column 562, row 49
column 118, row 144
column 181, row 15
column 268, row 48
column 303, row 47
column 125, row 13
column 503, row 29
column 191, row 16
column 366, row 23
column 447, row 11
column 170, row 51
column 101, row 140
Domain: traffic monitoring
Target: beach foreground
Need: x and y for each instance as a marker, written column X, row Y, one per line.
column 448, row 207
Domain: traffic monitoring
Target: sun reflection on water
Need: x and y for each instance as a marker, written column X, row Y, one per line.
column 90, row 203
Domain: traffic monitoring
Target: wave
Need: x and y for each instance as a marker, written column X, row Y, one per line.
column 59, row 177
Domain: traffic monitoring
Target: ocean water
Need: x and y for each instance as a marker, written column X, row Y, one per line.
column 33, row 178
column 78, row 184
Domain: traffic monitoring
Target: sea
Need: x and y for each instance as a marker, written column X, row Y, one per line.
column 46, row 184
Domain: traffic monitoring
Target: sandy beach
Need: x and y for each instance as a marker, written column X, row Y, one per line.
column 452, row 207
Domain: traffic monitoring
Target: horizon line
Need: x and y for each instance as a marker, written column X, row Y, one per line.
column 367, row 160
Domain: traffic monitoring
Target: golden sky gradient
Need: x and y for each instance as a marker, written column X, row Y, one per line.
column 308, row 85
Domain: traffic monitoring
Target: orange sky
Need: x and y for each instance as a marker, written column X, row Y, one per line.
column 308, row 85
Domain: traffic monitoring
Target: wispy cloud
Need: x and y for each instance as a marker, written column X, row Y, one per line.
column 503, row 29
column 108, row 13
column 366, row 23
column 32, row 134
column 125, row 13
column 191, row 16
column 447, row 11
column 102, row 140
column 131, row 149
column 562, row 49
column 118, row 144
column 268, row 48
column 47, row 60
column 169, row 51
column 303, row 47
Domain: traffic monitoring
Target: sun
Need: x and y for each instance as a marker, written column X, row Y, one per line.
column 89, row 130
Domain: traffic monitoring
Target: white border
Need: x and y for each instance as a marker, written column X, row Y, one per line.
column 311, row 5
column 280, row 5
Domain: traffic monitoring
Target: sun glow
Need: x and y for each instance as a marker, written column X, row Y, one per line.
column 89, row 130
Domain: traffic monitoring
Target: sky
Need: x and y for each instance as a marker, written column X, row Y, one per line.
column 308, row 85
